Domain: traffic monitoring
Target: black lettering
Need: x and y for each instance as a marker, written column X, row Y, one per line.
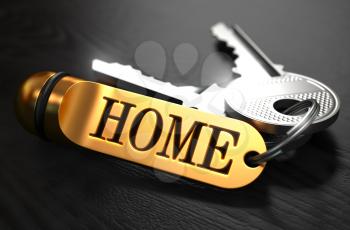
column 222, row 149
column 156, row 133
column 106, row 115
column 192, row 136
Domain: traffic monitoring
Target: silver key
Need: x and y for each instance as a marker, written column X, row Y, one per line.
column 263, row 89
column 186, row 94
column 207, row 101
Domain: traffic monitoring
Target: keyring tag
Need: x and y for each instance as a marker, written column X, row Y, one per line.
column 162, row 135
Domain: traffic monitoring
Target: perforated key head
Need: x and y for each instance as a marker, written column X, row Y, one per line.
column 261, row 101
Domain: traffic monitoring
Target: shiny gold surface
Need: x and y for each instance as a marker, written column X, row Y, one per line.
column 83, row 105
column 156, row 139
column 52, row 129
column 27, row 96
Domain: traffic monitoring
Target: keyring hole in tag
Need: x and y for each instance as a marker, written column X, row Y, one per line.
column 283, row 104
column 248, row 162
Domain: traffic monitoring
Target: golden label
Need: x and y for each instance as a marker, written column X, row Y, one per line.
column 162, row 135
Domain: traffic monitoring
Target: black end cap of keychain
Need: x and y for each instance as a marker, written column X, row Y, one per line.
column 42, row 100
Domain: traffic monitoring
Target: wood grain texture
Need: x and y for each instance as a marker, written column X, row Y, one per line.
column 46, row 185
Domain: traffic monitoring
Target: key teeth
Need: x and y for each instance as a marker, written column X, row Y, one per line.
column 128, row 68
column 132, row 69
column 236, row 71
column 188, row 97
column 215, row 30
column 139, row 72
column 279, row 67
column 219, row 36
column 223, row 33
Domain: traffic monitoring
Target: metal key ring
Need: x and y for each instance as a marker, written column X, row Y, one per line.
column 313, row 110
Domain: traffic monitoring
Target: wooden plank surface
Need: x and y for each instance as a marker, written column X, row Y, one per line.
column 47, row 185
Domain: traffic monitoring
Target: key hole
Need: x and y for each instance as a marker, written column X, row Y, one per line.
column 283, row 104
column 247, row 157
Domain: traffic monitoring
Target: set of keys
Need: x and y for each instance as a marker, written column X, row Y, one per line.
column 221, row 136
column 258, row 96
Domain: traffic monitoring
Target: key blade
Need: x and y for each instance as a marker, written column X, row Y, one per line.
column 126, row 73
column 213, row 100
column 251, row 60
column 259, row 54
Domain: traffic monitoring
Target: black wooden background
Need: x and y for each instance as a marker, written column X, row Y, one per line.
column 47, row 185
